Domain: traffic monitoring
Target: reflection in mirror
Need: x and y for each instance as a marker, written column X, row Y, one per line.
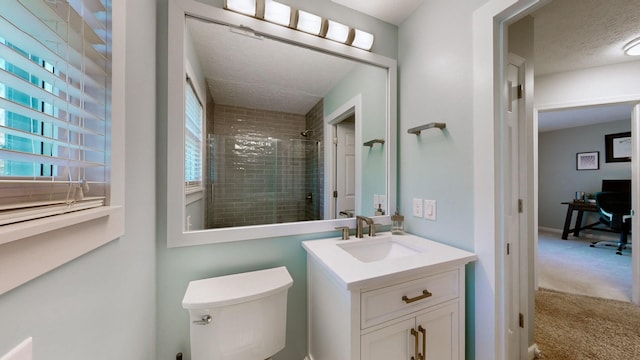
column 290, row 119
column 265, row 112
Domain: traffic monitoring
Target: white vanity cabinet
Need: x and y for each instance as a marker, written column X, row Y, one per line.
column 433, row 334
column 416, row 315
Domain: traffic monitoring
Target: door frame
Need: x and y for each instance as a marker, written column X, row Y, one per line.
column 489, row 23
column 352, row 106
column 635, row 170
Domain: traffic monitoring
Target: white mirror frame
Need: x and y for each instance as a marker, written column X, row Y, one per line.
column 176, row 234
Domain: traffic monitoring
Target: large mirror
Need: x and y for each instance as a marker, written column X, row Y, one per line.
column 271, row 131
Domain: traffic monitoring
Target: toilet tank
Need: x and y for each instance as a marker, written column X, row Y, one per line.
column 238, row 317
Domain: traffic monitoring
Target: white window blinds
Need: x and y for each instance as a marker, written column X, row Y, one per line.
column 193, row 144
column 54, row 106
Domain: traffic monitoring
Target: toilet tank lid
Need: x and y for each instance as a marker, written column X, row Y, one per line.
column 235, row 289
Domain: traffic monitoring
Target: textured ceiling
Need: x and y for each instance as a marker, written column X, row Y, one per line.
column 575, row 34
column 258, row 73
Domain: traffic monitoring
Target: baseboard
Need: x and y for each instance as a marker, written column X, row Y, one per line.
column 587, row 234
column 548, row 229
column 533, row 352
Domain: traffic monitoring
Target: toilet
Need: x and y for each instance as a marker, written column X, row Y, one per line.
column 240, row 316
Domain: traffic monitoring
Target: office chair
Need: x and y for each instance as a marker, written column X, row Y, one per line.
column 614, row 209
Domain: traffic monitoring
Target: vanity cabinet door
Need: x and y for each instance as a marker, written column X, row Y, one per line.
column 434, row 333
column 393, row 342
column 440, row 330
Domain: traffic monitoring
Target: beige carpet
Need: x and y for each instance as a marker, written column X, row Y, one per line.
column 572, row 266
column 576, row 327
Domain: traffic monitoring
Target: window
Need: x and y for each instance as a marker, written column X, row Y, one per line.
column 193, row 144
column 55, row 77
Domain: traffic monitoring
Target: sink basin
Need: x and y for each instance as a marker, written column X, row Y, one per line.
column 370, row 250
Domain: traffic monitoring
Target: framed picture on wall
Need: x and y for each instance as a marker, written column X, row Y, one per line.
column 588, row 160
column 618, row 147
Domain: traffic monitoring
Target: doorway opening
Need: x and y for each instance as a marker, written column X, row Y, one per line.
column 343, row 132
column 490, row 37
column 565, row 96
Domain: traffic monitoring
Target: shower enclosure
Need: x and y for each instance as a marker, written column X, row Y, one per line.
column 262, row 180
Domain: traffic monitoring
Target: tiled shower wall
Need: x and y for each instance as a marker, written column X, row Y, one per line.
column 259, row 176
column 315, row 166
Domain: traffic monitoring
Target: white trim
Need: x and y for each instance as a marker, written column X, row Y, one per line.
column 635, row 203
column 635, row 171
column 17, row 231
column 533, row 352
column 489, row 57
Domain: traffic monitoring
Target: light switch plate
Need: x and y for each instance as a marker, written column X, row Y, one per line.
column 430, row 210
column 24, row 351
column 417, row 207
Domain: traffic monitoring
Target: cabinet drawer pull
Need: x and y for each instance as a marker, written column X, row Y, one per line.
column 425, row 294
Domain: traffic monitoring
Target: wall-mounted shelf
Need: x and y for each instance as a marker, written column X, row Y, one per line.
column 416, row 130
column 374, row 141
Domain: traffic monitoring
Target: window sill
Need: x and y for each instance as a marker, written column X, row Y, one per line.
column 30, row 249
column 193, row 195
column 13, row 232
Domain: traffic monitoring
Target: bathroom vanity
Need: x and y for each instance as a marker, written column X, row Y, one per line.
column 386, row 297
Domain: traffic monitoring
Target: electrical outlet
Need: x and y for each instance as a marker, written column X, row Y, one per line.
column 430, row 210
column 417, row 207
column 376, row 201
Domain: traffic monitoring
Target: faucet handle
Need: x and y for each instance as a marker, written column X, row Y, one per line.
column 345, row 232
column 372, row 229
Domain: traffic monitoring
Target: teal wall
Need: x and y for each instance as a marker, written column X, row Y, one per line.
column 435, row 55
column 101, row 306
column 558, row 179
column 177, row 266
column 371, row 83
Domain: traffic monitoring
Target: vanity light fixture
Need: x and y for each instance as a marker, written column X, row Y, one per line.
column 362, row 39
column 336, row 31
column 277, row 13
column 309, row 23
column 633, row 47
column 281, row 14
column 247, row 7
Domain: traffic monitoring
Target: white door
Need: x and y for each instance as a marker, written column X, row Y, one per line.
column 439, row 331
column 345, row 168
column 512, row 213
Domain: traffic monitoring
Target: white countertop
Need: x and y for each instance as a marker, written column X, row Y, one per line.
column 355, row 274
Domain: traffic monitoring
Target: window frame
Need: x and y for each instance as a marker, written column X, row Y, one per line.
column 189, row 187
column 35, row 247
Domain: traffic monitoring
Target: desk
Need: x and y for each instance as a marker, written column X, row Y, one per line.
column 580, row 207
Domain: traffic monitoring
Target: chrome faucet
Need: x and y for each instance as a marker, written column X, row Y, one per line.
column 360, row 220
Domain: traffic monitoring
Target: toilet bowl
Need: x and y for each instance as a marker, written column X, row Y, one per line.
column 238, row 317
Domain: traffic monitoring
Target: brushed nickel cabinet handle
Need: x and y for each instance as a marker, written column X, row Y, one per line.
column 425, row 294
